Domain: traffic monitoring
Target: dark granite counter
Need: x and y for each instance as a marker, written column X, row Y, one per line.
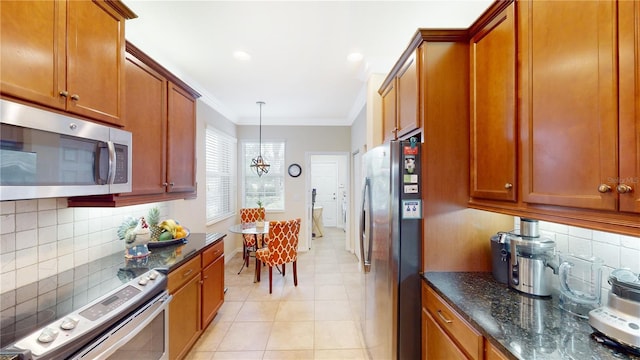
column 521, row 326
column 168, row 258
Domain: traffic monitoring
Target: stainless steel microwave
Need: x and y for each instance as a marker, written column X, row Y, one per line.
column 45, row 154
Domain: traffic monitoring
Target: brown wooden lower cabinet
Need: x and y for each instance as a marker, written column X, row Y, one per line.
column 491, row 353
column 197, row 287
column 212, row 282
column 447, row 336
column 437, row 344
column 184, row 308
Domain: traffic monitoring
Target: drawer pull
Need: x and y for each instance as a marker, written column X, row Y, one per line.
column 444, row 318
column 187, row 273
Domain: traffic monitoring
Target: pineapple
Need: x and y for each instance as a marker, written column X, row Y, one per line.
column 153, row 218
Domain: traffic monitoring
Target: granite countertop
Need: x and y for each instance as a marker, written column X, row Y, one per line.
column 168, row 258
column 521, row 326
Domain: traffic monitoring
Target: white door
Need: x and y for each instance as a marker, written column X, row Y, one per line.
column 324, row 177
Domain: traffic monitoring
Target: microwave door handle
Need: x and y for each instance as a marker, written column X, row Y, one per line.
column 366, row 260
column 97, row 166
column 112, row 162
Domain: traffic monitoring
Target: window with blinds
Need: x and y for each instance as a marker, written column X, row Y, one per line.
column 268, row 188
column 221, row 175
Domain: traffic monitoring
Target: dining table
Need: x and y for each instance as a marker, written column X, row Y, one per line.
column 250, row 228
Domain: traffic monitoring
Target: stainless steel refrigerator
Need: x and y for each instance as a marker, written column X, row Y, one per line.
column 390, row 245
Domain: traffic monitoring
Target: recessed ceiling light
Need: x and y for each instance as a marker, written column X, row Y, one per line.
column 241, row 55
column 355, row 57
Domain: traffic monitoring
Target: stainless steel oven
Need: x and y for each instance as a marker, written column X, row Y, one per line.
column 128, row 322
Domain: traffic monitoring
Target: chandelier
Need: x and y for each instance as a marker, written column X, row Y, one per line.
column 258, row 164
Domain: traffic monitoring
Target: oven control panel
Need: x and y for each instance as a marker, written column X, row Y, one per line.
column 60, row 338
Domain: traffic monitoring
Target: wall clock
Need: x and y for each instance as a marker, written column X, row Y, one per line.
column 295, row 170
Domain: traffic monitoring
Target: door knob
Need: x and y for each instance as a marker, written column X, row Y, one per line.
column 624, row 188
column 604, row 188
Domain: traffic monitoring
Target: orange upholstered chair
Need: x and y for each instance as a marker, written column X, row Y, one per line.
column 249, row 215
column 282, row 248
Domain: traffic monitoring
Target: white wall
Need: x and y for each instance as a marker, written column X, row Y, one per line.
column 298, row 139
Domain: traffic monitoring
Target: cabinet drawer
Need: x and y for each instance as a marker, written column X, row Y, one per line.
column 181, row 275
column 212, row 253
column 469, row 340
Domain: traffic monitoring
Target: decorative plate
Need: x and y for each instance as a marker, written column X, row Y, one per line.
column 156, row 244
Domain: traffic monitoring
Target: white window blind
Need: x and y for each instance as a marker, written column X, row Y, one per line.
column 269, row 188
column 221, row 175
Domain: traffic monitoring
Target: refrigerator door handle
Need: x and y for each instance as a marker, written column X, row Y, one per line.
column 366, row 199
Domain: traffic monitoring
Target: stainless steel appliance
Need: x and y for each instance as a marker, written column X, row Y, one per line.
column 529, row 257
column 128, row 322
column 46, row 154
column 527, row 264
column 500, row 253
column 390, row 246
column 619, row 320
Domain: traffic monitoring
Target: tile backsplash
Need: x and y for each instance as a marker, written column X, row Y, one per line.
column 43, row 237
column 617, row 251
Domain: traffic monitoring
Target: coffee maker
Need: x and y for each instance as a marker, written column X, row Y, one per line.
column 530, row 256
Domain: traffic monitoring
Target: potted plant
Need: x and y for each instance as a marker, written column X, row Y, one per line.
column 260, row 220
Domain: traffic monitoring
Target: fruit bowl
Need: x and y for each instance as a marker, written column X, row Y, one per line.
column 156, row 244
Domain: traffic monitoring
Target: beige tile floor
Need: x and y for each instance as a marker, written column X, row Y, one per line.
column 318, row 319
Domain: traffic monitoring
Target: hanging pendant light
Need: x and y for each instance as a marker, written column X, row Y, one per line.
column 258, row 164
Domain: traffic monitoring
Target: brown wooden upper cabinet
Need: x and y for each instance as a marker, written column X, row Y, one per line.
column 629, row 106
column 161, row 115
column 574, row 136
column 569, row 107
column 493, row 112
column 66, row 55
column 400, row 96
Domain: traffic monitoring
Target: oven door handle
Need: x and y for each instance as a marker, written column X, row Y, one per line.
column 128, row 328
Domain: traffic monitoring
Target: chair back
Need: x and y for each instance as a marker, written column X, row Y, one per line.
column 249, row 215
column 283, row 241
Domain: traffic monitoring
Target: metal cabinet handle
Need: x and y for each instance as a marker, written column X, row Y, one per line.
column 444, row 318
column 508, row 186
column 187, row 273
column 64, row 93
column 165, row 184
column 171, row 184
column 624, row 188
column 75, row 97
column 604, row 188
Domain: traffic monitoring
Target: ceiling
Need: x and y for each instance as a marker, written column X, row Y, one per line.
column 298, row 50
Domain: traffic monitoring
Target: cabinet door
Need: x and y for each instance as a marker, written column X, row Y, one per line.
column 212, row 290
column 184, row 318
column 407, row 83
column 437, row 343
column 181, row 137
column 629, row 49
column 32, row 58
column 389, row 128
column 95, row 61
column 146, row 109
column 569, row 102
column 493, row 121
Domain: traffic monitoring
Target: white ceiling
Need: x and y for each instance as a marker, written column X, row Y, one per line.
column 298, row 50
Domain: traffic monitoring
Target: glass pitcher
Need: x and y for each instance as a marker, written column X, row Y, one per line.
column 580, row 283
